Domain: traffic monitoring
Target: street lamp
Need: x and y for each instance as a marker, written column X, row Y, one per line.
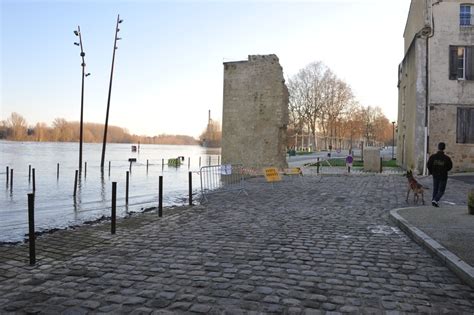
column 83, row 65
column 110, row 92
column 393, row 139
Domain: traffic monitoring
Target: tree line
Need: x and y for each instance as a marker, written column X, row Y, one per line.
column 16, row 128
column 324, row 106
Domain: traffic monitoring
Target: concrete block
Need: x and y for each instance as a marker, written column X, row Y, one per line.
column 372, row 159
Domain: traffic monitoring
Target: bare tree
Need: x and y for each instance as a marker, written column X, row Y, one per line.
column 306, row 100
column 18, row 126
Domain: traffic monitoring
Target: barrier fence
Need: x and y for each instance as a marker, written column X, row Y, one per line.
column 221, row 178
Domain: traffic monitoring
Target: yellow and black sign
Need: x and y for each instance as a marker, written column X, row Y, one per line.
column 294, row 171
column 271, row 174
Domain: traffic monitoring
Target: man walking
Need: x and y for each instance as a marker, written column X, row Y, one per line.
column 438, row 165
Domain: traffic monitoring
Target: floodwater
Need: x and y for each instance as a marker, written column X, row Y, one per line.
column 55, row 204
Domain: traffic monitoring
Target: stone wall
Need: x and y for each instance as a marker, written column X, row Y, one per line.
column 462, row 154
column 255, row 112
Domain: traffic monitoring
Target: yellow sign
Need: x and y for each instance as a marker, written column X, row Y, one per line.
column 271, row 174
column 293, row 171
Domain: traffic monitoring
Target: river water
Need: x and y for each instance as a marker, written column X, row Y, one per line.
column 55, row 204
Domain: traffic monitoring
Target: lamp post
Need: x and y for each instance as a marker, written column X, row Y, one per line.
column 393, row 139
column 84, row 74
column 110, row 92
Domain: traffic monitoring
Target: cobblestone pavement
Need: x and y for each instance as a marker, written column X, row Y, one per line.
column 315, row 246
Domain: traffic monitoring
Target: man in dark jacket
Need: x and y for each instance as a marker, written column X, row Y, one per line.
column 438, row 165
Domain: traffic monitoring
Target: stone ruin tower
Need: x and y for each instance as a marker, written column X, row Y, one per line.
column 255, row 113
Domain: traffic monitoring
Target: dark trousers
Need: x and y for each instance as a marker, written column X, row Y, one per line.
column 439, row 186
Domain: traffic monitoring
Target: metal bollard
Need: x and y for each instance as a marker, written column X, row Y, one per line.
column 7, row 176
column 85, row 169
column 162, row 164
column 130, row 166
column 31, row 227
column 29, row 173
column 317, row 166
column 126, row 187
column 114, row 205
column 381, row 170
column 199, row 162
column 34, row 180
column 57, row 171
column 160, row 197
column 189, row 162
column 109, row 167
column 75, row 183
column 147, row 165
column 11, row 179
column 190, row 180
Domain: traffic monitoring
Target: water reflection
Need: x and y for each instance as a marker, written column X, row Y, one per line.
column 102, row 186
column 53, row 203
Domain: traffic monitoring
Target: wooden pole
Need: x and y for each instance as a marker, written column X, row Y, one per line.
column 31, row 228
column 126, row 187
column 113, row 209
column 160, row 197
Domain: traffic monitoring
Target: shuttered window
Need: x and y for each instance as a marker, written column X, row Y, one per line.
column 461, row 62
column 465, row 125
column 465, row 15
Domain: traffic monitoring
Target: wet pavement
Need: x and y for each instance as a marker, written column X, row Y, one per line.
column 311, row 245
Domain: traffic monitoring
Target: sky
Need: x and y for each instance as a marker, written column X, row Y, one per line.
column 169, row 64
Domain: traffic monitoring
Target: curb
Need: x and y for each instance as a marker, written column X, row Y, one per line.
column 463, row 270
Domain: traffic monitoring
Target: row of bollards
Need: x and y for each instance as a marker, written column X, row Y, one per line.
column 113, row 215
column 9, row 172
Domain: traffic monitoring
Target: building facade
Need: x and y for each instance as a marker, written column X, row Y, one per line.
column 255, row 113
column 436, row 84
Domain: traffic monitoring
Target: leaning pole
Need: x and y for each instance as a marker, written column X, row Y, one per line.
column 110, row 92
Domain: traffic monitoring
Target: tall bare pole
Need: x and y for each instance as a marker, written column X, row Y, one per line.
column 83, row 65
column 110, row 92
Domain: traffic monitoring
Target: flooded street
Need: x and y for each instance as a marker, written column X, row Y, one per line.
column 55, row 204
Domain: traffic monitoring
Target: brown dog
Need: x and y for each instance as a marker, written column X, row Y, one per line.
column 416, row 187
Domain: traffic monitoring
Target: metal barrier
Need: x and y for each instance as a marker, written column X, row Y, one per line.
column 221, row 178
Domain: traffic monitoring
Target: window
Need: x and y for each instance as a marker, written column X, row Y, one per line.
column 461, row 62
column 465, row 125
column 465, row 15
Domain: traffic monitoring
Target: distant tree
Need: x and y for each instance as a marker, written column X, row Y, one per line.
column 212, row 135
column 18, row 126
column 41, row 132
column 5, row 131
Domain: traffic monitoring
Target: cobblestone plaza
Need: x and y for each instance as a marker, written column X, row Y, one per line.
column 323, row 244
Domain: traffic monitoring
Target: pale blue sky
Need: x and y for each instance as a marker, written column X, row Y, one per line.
column 168, row 68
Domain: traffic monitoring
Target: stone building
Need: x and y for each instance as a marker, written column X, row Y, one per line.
column 436, row 84
column 255, row 113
